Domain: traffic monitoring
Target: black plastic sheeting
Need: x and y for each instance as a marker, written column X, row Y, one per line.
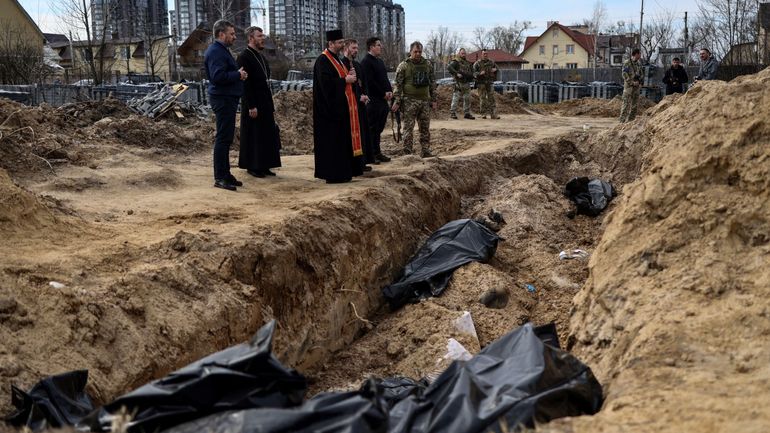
column 362, row 411
column 515, row 381
column 427, row 274
column 591, row 196
column 241, row 377
column 54, row 402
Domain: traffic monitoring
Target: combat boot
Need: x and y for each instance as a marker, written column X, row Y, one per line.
column 469, row 116
column 453, row 116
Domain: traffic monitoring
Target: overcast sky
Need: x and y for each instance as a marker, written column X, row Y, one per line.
column 463, row 16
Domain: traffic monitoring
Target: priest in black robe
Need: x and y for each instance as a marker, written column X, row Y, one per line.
column 337, row 141
column 260, row 140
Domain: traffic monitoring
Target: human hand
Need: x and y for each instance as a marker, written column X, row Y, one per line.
column 460, row 76
column 388, row 96
column 394, row 108
column 244, row 74
column 364, row 99
column 253, row 113
column 350, row 78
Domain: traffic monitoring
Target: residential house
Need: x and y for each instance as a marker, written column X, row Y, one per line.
column 123, row 56
column 190, row 52
column 15, row 22
column 559, row 47
column 503, row 59
column 612, row 50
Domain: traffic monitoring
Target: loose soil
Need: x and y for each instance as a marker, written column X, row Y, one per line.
column 591, row 107
column 671, row 310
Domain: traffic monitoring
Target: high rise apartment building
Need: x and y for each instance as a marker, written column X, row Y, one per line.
column 191, row 13
column 301, row 24
column 129, row 18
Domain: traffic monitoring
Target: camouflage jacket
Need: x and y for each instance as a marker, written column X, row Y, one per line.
column 485, row 66
column 461, row 66
column 632, row 71
column 415, row 79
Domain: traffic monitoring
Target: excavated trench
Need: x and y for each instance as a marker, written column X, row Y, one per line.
column 319, row 273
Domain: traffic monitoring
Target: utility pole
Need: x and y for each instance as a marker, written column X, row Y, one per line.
column 641, row 24
column 686, row 42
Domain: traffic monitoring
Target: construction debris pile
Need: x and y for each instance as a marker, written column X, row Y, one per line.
column 161, row 101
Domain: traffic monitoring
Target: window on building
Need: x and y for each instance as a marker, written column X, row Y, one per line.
column 542, row 50
column 125, row 52
column 571, row 65
column 555, row 49
column 539, row 66
column 617, row 59
column 571, row 49
column 555, row 33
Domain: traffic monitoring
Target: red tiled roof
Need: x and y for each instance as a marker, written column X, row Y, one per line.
column 585, row 41
column 498, row 56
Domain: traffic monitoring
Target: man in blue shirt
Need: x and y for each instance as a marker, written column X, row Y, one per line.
column 225, row 89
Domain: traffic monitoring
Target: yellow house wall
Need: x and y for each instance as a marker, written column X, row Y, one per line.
column 14, row 18
column 532, row 54
column 136, row 65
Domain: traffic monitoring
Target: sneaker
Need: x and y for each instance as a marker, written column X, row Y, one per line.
column 382, row 158
column 453, row 116
column 469, row 116
column 234, row 181
column 224, row 184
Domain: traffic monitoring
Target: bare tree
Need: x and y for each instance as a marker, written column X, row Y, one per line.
column 621, row 28
column 658, row 33
column 259, row 12
column 596, row 22
column 78, row 19
column 441, row 45
column 722, row 24
column 481, row 39
column 21, row 62
column 509, row 39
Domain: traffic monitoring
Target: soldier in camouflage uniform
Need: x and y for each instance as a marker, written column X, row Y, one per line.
column 485, row 71
column 632, row 82
column 462, row 72
column 415, row 95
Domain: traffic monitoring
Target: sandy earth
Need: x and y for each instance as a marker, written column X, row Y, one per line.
column 670, row 311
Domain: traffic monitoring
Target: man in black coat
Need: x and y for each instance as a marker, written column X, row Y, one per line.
column 675, row 78
column 225, row 87
column 349, row 52
column 337, row 141
column 260, row 142
column 380, row 93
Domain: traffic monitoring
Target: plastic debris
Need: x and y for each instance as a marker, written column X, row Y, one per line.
column 530, row 288
column 573, row 254
column 57, row 285
column 591, row 196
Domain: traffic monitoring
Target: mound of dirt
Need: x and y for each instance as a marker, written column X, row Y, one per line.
column 294, row 115
column 674, row 318
column 35, row 139
column 24, row 215
column 506, row 103
column 592, row 107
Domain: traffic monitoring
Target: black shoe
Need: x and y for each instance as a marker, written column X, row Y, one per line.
column 255, row 173
column 234, row 181
column 469, row 116
column 427, row 154
column 382, row 158
column 337, row 180
column 453, row 116
column 268, row 172
column 367, row 168
column 224, row 184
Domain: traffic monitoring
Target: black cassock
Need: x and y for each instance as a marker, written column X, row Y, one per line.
column 260, row 138
column 332, row 143
column 360, row 88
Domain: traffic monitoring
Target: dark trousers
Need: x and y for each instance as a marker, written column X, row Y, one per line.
column 377, row 110
column 224, row 108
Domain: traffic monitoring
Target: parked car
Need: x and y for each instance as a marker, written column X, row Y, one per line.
column 84, row 82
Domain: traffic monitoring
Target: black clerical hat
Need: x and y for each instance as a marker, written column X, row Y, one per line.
column 334, row 35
